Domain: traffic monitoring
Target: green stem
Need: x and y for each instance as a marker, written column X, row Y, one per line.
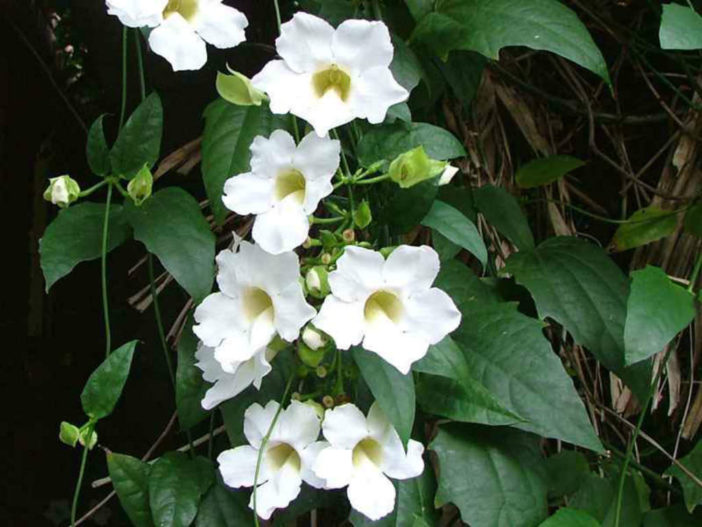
column 277, row 14
column 264, row 441
column 159, row 322
column 376, row 10
column 695, row 274
column 123, row 111
column 326, row 221
column 89, row 191
column 140, row 63
column 339, row 386
column 81, row 473
column 372, row 180
column 103, row 271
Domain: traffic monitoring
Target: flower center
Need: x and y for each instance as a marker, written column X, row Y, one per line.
column 186, row 8
column 367, row 453
column 256, row 302
column 290, row 182
column 281, row 455
column 332, row 78
column 383, row 305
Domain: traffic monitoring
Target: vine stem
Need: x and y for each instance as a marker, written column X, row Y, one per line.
column 103, row 271
column 159, row 321
column 140, row 62
column 277, row 14
column 81, row 473
column 264, row 442
column 695, row 273
column 123, row 110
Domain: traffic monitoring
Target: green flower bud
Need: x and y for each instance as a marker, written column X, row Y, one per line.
column 237, row 89
column 317, row 282
column 62, row 191
column 328, row 401
column 386, row 251
column 140, row 187
column 348, row 235
column 362, row 216
column 308, row 356
column 85, row 441
column 69, row 434
column 314, row 338
column 321, row 371
column 413, row 167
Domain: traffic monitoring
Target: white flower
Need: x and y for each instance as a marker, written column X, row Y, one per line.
column 286, row 458
column 284, row 187
column 313, row 338
column 330, row 77
column 228, row 385
column 447, row 175
column 260, row 295
column 181, row 27
column 388, row 304
column 363, row 453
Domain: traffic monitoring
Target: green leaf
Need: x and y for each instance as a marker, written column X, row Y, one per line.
column 486, row 26
column 105, row 384
column 139, row 141
column 575, row 283
column 464, row 286
column 405, row 66
column 444, row 247
column 96, row 150
column 399, row 111
column 406, row 207
column 190, row 387
column 130, row 479
column 691, row 490
column 76, row 236
column 419, row 8
column 463, row 71
column 540, row 172
column 386, row 142
column 457, row 228
column 681, row 28
column 414, row 506
column 570, row 518
column 644, row 226
column 171, row 226
column 503, row 212
column 222, row 507
column 675, row 516
column 566, row 471
column 597, row 497
column 657, row 310
column 495, row 477
column 229, row 132
column 175, row 488
column 508, row 353
column 393, row 390
column 693, row 220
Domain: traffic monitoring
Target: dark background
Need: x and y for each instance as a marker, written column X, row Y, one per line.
column 51, row 343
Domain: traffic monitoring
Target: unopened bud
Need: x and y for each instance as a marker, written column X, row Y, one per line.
column 321, row 372
column 326, row 258
column 237, row 89
column 69, row 434
column 140, row 187
column 318, row 408
column 317, row 282
column 362, row 216
column 447, row 174
column 348, row 235
column 295, row 396
column 88, row 441
column 308, row 356
column 62, row 191
column 328, row 401
column 314, row 338
column 413, row 167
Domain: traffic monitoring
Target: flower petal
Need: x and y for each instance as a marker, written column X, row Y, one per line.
column 334, row 466
column 344, row 426
column 292, row 312
column 323, row 113
column 359, row 45
column 272, row 154
column 220, row 25
column 298, row 425
column 309, row 458
column 373, row 93
column 342, row 321
column 257, row 420
column 277, row 493
column 317, row 157
column 305, row 43
column 372, row 494
column 395, row 346
column 399, row 464
column 248, row 193
column 258, row 268
column 286, row 88
column 176, row 41
column 359, row 272
column 431, row 314
column 218, row 317
column 314, row 193
column 282, row 228
column 411, row 268
column 238, row 466
column 137, row 13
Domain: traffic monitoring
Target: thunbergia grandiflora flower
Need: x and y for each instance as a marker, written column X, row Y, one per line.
column 228, row 385
column 330, row 77
column 284, row 187
column 363, row 453
column 182, row 27
column 389, row 305
column 260, row 295
column 286, row 460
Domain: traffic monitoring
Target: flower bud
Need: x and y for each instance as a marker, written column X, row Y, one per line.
column 295, row 396
column 314, row 338
column 326, row 258
column 317, row 282
column 321, row 372
column 348, row 235
column 318, row 408
column 62, row 191
column 139, row 188
column 69, row 434
column 413, row 167
column 310, row 357
column 447, row 175
column 86, row 441
column 362, row 216
column 237, row 89
column 328, row 401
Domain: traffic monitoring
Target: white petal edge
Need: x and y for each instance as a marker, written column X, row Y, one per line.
column 248, row 193
column 342, row 321
column 344, row 426
column 305, row 43
column 220, row 25
column 177, row 42
column 372, row 494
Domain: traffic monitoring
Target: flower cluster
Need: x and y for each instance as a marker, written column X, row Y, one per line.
column 352, row 295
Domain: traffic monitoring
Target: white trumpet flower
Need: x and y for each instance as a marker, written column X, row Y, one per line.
column 228, row 385
column 284, row 187
column 331, row 76
column 182, row 27
column 363, row 453
column 389, row 305
column 286, row 460
column 260, row 295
